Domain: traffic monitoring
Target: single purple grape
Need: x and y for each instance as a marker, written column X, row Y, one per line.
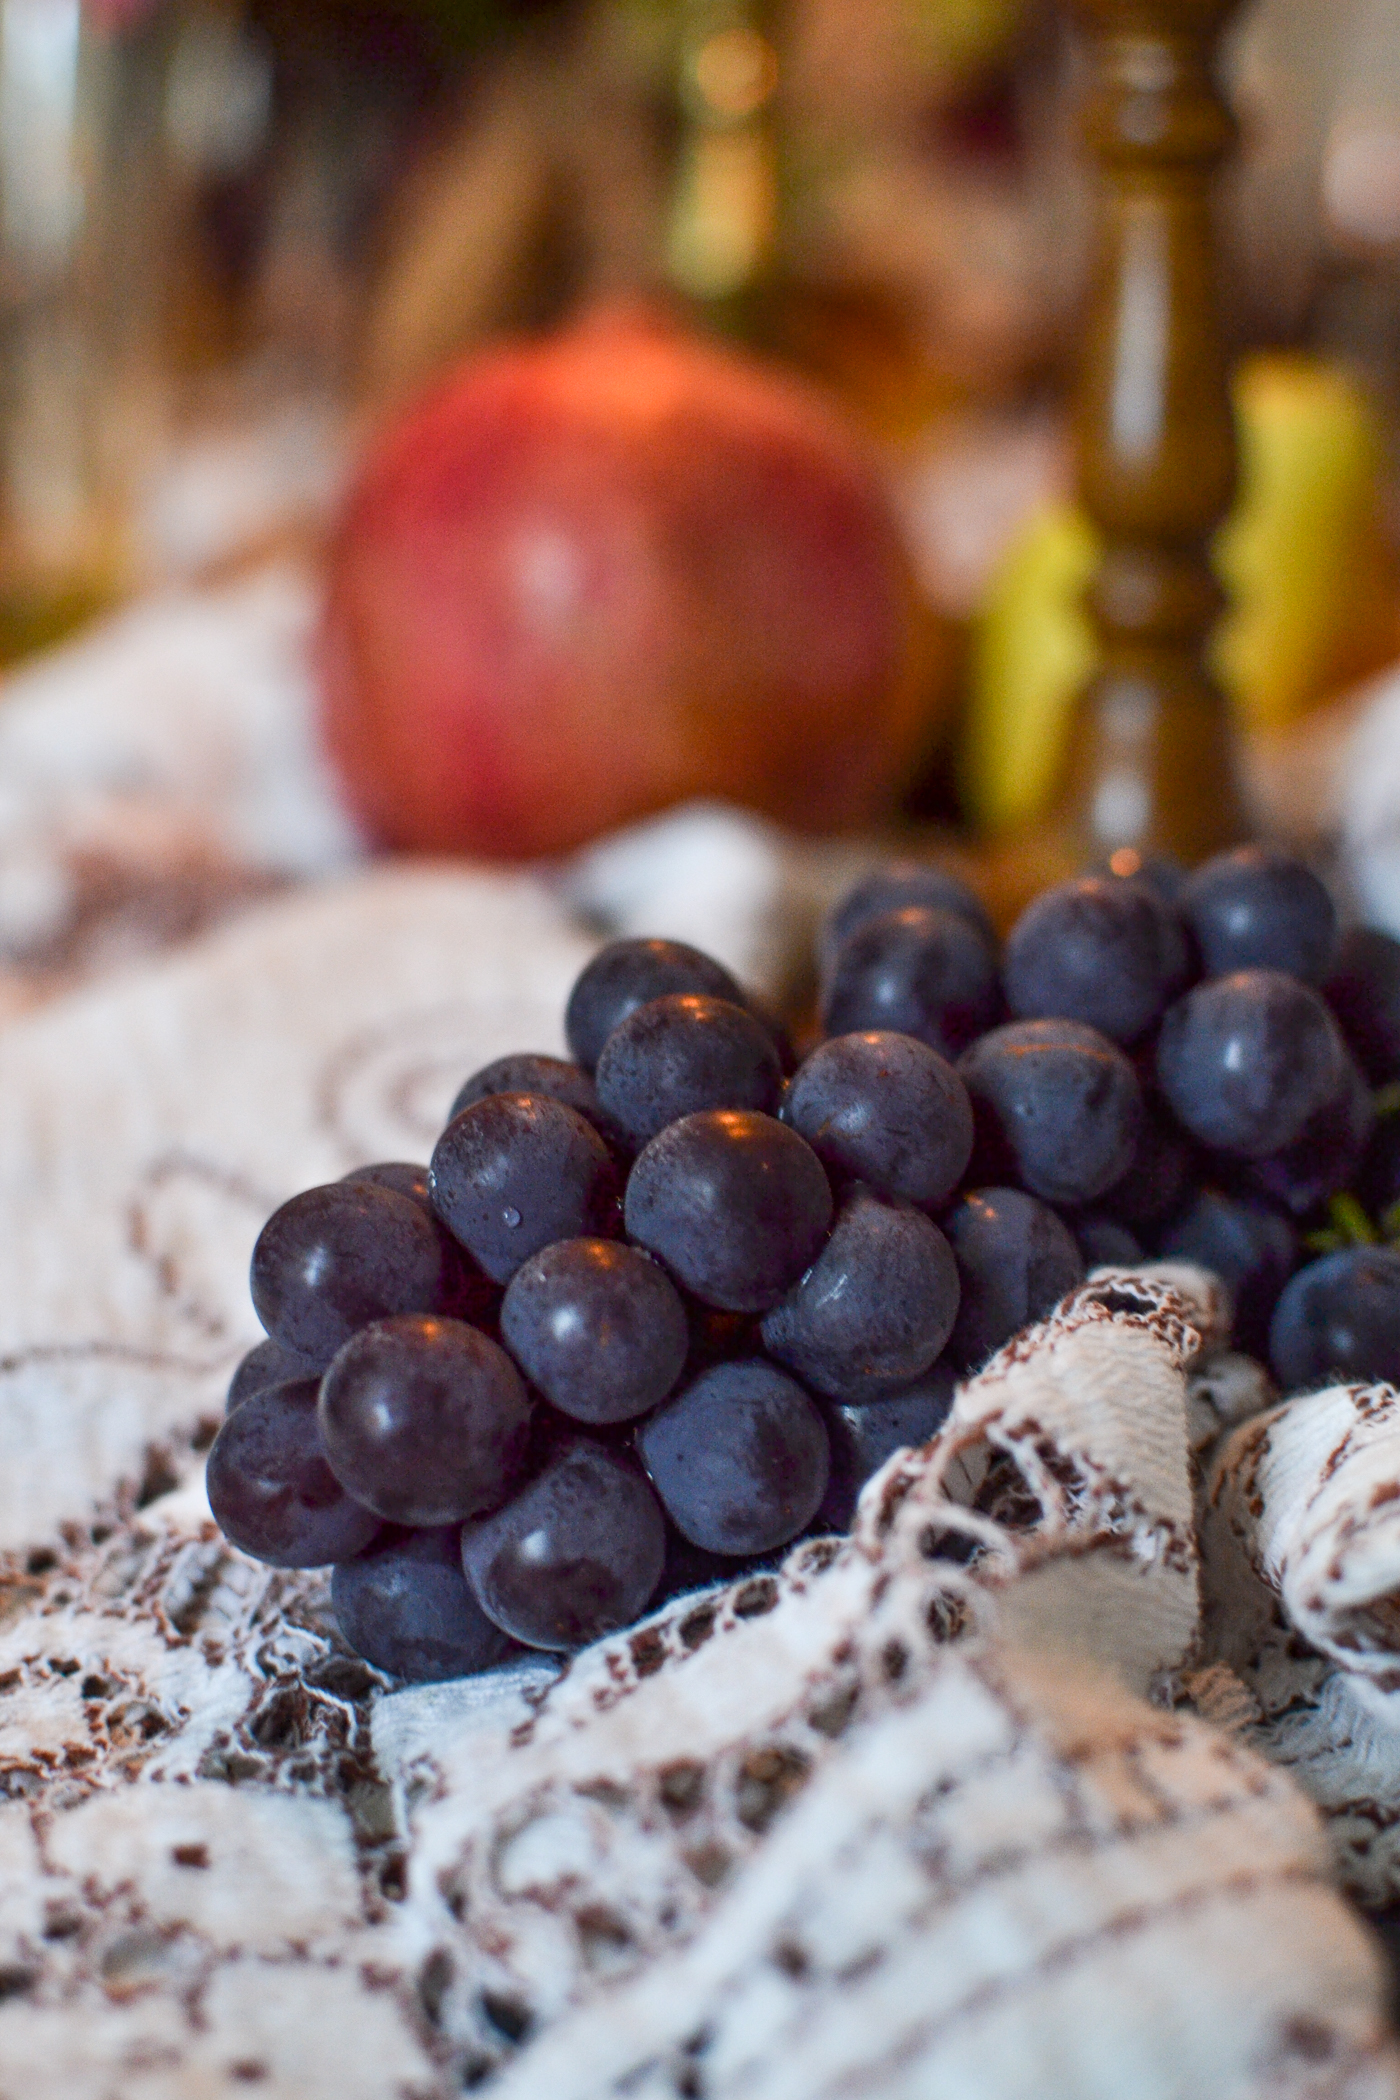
column 733, row 1203
column 514, row 1172
column 1339, row 1320
column 887, row 1110
column 1107, row 953
column 405, row 1606
column 900, row 885
column 598, row 1326
column 425, row 1420
column 575, row 1555
column 333, row 1258
column 531, row 1072
column 1257, row 908
column 271, row 1489
column 740, row 1458
column 1056, row 1107
column 628, row 974
column 267, row 1365
column 862, row 1438
column 1016, row 1260
column 1246, row 1061
column 876, row 1307
column 919, row 972
column 683, row 1054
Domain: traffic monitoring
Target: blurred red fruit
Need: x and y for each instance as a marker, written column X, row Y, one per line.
column 591, row 576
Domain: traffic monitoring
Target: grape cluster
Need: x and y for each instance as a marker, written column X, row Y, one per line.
column 656, row 1309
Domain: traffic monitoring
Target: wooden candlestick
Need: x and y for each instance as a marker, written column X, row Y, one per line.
column 1151, row 763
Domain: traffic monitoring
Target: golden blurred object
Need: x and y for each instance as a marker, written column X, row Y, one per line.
column 724, row 212
column 965, row 36
column 724, row 215
column 1032, row 650
column 1313, row 579
column 42, row 612
column 1315, row 585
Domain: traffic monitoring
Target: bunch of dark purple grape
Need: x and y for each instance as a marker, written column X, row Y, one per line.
column 652, row 1314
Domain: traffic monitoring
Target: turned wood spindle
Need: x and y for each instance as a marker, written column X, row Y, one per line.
column 1151, row 765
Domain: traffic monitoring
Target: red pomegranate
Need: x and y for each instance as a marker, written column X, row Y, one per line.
column 593, row 575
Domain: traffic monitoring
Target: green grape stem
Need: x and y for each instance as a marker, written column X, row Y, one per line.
column 1349, row 1219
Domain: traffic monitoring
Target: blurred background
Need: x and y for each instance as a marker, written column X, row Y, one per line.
column 236, row 234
